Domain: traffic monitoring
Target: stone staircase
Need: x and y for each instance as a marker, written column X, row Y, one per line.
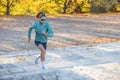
column 60, row 63
column 24, row 71
column 30, row 71
column 21, row 66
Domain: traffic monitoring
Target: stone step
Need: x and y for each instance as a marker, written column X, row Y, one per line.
column 47, row 75
column 50, row 64
column 19, row 71
column 30, row 71
column 11, row 69
column 35, row 73
column 60, row 63
column 24, row 75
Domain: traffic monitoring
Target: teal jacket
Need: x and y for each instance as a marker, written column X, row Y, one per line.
column 38, row 27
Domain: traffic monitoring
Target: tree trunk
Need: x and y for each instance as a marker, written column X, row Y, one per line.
column 66, row 4
column 7, row 10
column 7, row 7
column 65, row 7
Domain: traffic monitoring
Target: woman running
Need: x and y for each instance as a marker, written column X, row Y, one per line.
column 43, row 30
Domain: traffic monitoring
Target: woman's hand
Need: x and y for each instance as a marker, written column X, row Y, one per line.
column 44, row 33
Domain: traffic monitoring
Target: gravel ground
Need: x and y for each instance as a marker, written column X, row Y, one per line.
column 76, row 30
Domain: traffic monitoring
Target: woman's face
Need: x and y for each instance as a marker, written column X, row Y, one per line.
column 42, row 19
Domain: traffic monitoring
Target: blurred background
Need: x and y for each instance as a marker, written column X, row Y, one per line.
column 31, row 7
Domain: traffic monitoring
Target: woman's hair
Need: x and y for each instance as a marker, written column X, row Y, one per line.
column 40, row 14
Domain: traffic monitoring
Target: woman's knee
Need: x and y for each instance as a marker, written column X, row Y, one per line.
column 43, row 51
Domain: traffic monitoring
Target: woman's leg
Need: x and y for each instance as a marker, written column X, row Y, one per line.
column 42, row 56
column 43, row 52
column 36, row 60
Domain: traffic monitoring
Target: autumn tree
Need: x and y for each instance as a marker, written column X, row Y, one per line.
column 7, row 4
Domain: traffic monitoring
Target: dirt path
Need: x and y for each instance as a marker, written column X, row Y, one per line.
column 69, row 31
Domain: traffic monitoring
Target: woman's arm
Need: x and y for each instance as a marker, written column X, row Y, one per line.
column 30, row 31
column 49, row 31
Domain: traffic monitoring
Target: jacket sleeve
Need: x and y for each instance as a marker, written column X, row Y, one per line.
column 30, row 29
column 50, row 31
